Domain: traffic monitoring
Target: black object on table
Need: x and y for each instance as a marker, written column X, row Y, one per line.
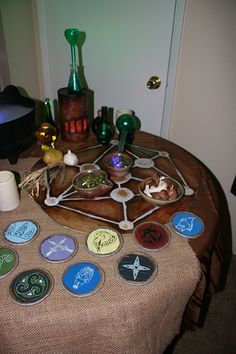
column 17, row 123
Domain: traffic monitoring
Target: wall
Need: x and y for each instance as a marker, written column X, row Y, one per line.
column 4, row 67
column 115, row 59
column 111, row 46
column 204, row 108
column 20, row 44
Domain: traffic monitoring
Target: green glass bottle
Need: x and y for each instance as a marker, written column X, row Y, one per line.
column 126, row 124
column 97, row 121
column 103, row 129
column 47, row 132
column 74, row 84
column 48, row 112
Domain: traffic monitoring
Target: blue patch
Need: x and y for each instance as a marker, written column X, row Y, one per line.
column 187, row 224
column 83, row 278
column 21, row 231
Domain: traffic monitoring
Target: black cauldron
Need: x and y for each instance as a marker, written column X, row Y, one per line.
column 17, row 123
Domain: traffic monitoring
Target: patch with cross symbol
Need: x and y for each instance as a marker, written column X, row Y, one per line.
column 136, row 268
column 58, row 248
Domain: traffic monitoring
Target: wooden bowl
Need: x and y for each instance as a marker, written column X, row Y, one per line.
column 92, row 183
column 117, row 164
column 173, row 190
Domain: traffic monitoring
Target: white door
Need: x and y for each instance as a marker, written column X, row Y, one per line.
column 127, row 42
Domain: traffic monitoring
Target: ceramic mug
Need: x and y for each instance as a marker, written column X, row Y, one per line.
column 9, row 194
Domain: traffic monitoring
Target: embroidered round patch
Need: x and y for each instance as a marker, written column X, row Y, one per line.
column 8, row 260
column 31, row 286
column 187, row 224
column 83, row 278
column 151, row 235
column 21, row 232
column 137, row 269
column 104, row 241
column 58, row 248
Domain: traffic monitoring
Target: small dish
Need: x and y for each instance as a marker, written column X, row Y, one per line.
column 92, row 183
column 117, row 164
column 160, row 190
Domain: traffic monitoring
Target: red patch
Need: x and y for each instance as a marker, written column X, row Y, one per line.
column 151, row 235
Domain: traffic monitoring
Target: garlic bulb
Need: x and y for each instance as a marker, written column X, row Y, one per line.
column 70, row 159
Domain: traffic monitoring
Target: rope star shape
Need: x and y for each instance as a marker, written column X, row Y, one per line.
column 136, row 267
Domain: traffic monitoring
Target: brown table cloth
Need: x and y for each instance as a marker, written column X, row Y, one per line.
column 119, row 318
column 214, row 248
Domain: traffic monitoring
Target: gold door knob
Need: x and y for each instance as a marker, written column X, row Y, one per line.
column 154, row 83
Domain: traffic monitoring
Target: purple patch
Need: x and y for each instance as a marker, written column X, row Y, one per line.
column 58, row 248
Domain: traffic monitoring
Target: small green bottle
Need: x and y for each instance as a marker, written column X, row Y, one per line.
column 47, row 132
column 48, row 112
column 103, row 130
column 97, row 121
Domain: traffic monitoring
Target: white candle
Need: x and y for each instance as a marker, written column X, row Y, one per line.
column 9, row 194
column 120, row 112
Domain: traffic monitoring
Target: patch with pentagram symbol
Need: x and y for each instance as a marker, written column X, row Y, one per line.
column 83, row 278
column 58, row 248
column 31, row 286
column 187, row 224
column 8, row 260
column 151, row 236
column 22, row 231
column 136, row 268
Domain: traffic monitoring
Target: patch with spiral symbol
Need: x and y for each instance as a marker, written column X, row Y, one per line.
column 8, row 260
column 137, row 268
column 151, row 235
column 31, row 286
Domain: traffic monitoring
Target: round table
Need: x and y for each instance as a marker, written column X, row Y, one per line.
column 135, row 310
column 208, row 202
